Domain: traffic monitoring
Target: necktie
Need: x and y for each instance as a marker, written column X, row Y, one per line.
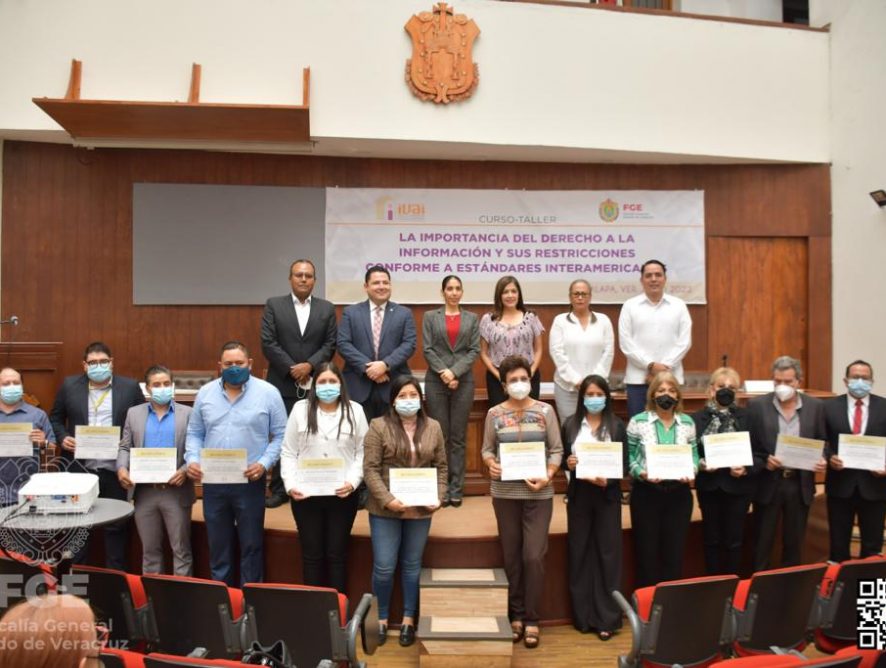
column 856, row 417
column 376, row 328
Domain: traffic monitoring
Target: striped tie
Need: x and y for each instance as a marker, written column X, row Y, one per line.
column 376, row 329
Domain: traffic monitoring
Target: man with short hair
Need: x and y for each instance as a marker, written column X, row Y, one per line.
column 97, row 397
column 297, row 333
column 15, row 471
column 376, row 338
column 236, row 411
column 854, row 492
column 654, row 333
column 781, row 491
column 160, row 423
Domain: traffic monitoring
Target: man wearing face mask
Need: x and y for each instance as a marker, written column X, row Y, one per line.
column 236, row 411
column 854, row 492
column 161, row 423
column 97, row 397
column 15, row 471
column 781, row 491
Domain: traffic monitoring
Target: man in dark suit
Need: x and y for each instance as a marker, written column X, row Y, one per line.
column 854, row 492
column 297, row 333
column 779, row 490
column 376, row 338
column 161, row 423
column 97, row 397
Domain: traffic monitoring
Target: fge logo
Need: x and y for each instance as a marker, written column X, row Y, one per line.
column 16, row 586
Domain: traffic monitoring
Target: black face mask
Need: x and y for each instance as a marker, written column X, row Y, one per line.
column 725, row 396
column 665, row 402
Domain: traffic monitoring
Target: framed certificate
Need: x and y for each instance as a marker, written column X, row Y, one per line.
column 320, row 477
column 725, row 451
column 155, row 465
column 415, row 487
column 96, row 442
column 223, row 467
column 599, row 460
column 867, row 453
column 15, row 439
column 796, row 452
column 669, row 462
column 523, row 461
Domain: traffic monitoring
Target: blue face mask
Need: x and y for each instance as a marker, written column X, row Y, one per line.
column 594, row 404
column 11, row 394
column 235, row 375
column 407, row 407
column 328, row 392
column 860, row 388
column 99, row 373
column 162, row 395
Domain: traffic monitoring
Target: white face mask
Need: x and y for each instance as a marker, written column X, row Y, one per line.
column 519, row 389
column 785, row 392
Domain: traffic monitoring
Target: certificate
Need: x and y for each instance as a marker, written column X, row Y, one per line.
column 669, row 462
column 795, row 452
column 725, row 451
column 863, row 452
column 415, row 487
column 599, row 460
column 151, row 464
column 15, row 440
column 523, row 461
column 320, row 477
column 96, row 442
column 223, row 467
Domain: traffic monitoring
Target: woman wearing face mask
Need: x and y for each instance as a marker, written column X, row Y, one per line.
column 724, row 495
column 510, row 329
column 660, row 509
column 404, row 438
column 594, row 514
column 522, row 508
column 325, row 425
column 581, row 343
column 451, row 343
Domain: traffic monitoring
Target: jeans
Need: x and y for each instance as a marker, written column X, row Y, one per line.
column 231, row 512
column 393, row 538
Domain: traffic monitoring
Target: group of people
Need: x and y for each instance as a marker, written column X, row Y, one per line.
column 374, row 416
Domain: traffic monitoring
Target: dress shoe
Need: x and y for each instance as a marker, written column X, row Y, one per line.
column 382, row 634
column 276, row 500
column 407, row 635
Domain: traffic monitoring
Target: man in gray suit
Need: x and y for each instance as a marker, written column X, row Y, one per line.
column 297, row 333
column 376, row 338
column 161, row 423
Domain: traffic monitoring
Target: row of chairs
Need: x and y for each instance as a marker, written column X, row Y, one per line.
column 701, row 621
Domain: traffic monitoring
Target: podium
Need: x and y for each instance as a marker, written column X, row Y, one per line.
column 39, row 363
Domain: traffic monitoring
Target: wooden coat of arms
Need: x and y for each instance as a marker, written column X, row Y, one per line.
column 441, row 68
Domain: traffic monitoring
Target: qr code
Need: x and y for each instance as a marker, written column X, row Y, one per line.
column 871, row 606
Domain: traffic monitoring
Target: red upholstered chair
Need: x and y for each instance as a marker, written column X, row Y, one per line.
column 118, row 600
column 844, row 661
column 186, row 613
column 763, row 661
column 120, row 658
column 156, row 660
column 22, row 578
column 870, row 658
column 776, row 608
column 312, row 621
column 837, row 626
column 688, row 622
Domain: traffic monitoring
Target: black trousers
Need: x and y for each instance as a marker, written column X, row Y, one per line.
column 723, row 517
column 594, row 547
column 324, row 529
column 660, row 523
column 842, row 514
column 276, row 484
column 116, row 533
column 497, row 394
column 788, row 503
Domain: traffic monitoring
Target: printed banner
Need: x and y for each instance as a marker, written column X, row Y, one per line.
column 544, row 238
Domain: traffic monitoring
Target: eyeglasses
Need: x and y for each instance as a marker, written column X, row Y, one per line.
column 99, row 364
column 581, row 294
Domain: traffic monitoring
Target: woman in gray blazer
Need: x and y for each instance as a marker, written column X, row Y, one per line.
column 451, row 344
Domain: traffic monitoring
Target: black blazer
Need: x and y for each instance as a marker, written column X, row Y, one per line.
column 763, row 424
column 568, row 433
column 841, row 484
column 722, row 479
column 71, row 407
column 283, row 344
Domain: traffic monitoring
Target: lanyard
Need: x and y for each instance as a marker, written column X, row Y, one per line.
column 97, row 404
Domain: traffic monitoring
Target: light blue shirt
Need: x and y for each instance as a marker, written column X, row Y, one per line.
column 160, row 432
column 256, row 420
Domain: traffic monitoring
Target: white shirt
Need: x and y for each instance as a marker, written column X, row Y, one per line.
column 579, row 352
column 302, row 311
column 650, row 332
column 865, row 403
column 297, row 443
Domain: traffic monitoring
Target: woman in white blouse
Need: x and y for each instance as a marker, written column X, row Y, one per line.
column 581, row 344
column 326, row 425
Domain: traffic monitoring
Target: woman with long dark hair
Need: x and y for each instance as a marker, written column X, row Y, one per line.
column 594, row 513
column 325, row 425
column 403, row 438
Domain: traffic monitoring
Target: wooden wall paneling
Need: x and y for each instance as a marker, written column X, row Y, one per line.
column 820, row 319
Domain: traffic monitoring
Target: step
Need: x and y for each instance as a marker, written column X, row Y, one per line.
column 463, row 592
column 474, row 642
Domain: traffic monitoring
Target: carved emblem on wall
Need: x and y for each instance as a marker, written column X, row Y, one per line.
column 441, row 68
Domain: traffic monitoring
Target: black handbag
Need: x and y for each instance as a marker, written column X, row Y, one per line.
column 275, row 656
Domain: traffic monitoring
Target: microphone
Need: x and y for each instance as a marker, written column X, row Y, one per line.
column 13, row 320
